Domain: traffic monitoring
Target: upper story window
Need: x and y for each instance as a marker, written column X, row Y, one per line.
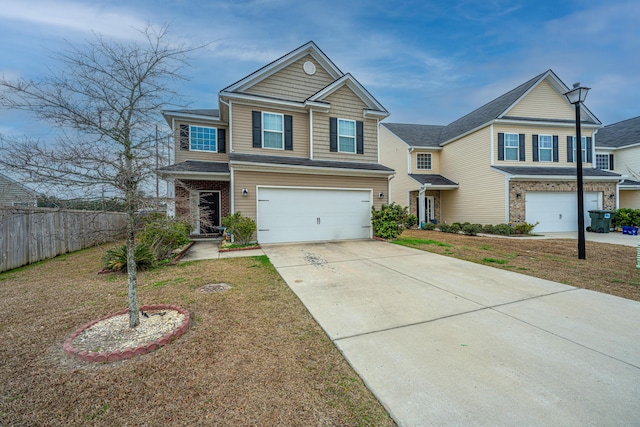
column 346, row 136
column 604, row 161
column 584, row 149
column 511, row 146
column 202, row 138
column 545, row 148
column 273, row 130
column 423, row 161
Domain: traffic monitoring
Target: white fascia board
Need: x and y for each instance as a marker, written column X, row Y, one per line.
column 374, row 114
column 545, row 123
column 558, row 177
column 301, row 106
column 356, row 88
column 307, row 170
column 186, row 116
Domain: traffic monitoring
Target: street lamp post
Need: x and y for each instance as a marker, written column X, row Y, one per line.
column 576, row 96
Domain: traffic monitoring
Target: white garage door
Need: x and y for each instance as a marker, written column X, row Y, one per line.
column 557, row 212
column 303, row 214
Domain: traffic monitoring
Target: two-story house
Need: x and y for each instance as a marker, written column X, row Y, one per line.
column 511, row 160
column 618, row 150
column 293, row 145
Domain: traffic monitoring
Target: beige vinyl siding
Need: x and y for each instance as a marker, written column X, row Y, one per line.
column 182, row 155
column 394, row 154
column 243, row 131
column 11, row 192
column 344, row 105
column 543, row 102
column 627, row 161
column 481, row 195
column 630, row 199
column 250, row 180
column 529, row 131
column 292, row 82
column 435, row 162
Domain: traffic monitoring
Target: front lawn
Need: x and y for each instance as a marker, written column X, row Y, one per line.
column 252, row 356
column 608, row 268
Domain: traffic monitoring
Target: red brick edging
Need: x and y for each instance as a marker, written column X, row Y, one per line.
column 115, row 356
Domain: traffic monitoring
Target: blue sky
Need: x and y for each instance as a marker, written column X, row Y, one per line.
column 427, row 62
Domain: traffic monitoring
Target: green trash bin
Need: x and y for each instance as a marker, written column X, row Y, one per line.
column 600, row 221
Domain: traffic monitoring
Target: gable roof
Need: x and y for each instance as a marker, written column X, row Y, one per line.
column 416, row 135
column 5, row 182
column 309, row 48
column 619, row 135
column 497, row 108
column 356, row 87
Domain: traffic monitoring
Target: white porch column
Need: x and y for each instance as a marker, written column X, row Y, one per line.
column 421, row 207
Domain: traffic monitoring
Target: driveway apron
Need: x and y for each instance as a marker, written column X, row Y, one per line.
column 441, row 341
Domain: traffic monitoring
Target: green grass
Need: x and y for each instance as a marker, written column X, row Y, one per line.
column 409, row 241
column 486, row 247
column 173, row 281
column 494, row 261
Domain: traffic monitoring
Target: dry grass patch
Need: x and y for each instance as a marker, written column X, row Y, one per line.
column 252, row 356
column 608, row 268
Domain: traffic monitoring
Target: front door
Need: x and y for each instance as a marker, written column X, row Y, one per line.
column 209, row 212
column 428, row 209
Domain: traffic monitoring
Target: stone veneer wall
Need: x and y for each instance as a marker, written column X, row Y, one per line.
column 413, row 202
column 184, row 187
column 517, row 209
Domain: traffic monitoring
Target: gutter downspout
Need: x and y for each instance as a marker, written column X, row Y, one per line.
column 230, row 132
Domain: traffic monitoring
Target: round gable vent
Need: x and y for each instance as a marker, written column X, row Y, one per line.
column 309, row 68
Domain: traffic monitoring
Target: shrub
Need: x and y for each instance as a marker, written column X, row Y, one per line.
column 488, row 229
column 240, row 227
column 626, row 216
column 163, row 235
column 524, row 228
column 428, row 226
column 471, row 229
column 502, row 229
column 116, row 257
column 450, row 228
column 391, row 220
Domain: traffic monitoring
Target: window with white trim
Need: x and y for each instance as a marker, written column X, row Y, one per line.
column 602, row 161
column 423, row 161
column 584, row 149
column 202, row 138
column 346, row 136
column 545, row 148
column 511, row 146
column 273, row 130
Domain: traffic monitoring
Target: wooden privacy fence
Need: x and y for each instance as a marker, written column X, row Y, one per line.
column 32, row 234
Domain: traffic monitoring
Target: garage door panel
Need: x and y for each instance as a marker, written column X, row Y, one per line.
column 298, row 215
column 557, row 211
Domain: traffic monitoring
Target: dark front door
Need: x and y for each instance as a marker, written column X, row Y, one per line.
column 209, row 212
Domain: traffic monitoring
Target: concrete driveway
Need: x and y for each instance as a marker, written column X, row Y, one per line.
column 441, row 341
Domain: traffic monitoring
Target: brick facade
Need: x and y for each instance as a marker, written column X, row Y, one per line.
column 184, row 187
column 518, row 194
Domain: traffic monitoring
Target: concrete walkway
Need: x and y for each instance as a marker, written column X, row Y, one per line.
column 442, row 341
column 209, row 249
column 614, row 238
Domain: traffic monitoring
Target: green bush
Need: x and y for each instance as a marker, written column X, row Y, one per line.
column 626, row 216
column 502, row 229
column 391, row 220
column 116, row 257
column 163, row 235
column 471, row 229
column 240, row 227
column 524, row 228
column 454, row 228
column 428, row 226
column 487, row 229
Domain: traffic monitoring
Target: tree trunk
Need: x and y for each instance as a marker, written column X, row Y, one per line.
column 134, row 307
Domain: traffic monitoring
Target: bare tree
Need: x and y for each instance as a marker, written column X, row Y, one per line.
column 106, row 98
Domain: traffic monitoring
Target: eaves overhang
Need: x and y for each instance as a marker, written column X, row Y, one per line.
column 238, row 165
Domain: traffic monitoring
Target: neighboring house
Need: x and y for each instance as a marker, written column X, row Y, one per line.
column 618, row 150
column 12, row 193
column 511, row 160
column 293, row 145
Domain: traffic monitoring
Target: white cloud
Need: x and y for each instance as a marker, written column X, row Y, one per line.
column 74, row 16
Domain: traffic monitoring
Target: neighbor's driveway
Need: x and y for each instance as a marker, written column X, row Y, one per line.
column 441, row 341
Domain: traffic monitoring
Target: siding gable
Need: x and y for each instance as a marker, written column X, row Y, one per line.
column 292, row 83
column 543, row 102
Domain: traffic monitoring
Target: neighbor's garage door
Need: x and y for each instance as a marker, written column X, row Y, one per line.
column 558, row 211
column 302, row 214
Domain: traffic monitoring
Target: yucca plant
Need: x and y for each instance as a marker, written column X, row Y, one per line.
column 116, row 257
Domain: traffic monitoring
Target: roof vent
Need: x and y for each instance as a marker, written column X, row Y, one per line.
column 309, row 68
